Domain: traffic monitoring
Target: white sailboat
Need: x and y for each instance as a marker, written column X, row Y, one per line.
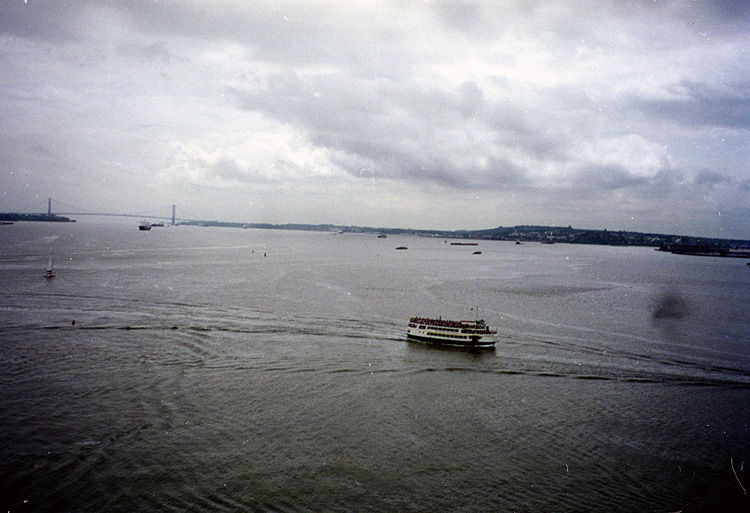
column 50, row 270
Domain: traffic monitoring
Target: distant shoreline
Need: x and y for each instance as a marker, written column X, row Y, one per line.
column 527, row 233
column 52, row 218
column 678, row 244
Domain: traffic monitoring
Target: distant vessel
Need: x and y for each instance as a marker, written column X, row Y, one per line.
column 402, row 247
column 145, row 225
column 50, row 270
column 467, row 334
column 382, row 236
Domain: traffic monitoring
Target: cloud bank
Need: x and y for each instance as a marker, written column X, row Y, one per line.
column 431, row 114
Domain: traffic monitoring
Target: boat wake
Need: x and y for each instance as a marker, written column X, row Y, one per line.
column 191, row 333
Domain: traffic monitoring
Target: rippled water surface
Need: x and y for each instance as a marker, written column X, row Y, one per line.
column 207, row 369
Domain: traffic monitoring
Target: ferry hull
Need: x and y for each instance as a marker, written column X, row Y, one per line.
column 483, row 342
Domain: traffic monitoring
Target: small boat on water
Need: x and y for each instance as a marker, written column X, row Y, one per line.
column 468, row 334
column 144, row 226
column 50, row 273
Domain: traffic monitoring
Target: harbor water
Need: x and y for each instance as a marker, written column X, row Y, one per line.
column 216, row 369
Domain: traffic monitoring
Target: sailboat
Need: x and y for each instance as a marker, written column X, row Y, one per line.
column 50, row 270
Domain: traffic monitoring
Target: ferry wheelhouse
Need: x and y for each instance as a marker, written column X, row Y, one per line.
column 451, row 333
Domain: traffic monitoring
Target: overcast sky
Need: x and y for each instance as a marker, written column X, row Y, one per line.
column 625, row 115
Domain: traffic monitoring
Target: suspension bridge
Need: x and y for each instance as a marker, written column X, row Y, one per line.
column 34, row 212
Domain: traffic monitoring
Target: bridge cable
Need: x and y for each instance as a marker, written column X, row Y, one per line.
column 73, row 207
column 182, row 211
column 44, row 202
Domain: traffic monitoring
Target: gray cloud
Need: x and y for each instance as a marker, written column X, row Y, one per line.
column 613, row 176
column 710, row 178
column 496, row 113
column 696, row 104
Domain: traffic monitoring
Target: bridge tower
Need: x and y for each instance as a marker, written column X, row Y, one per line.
column 173, row 213
column 49, row 206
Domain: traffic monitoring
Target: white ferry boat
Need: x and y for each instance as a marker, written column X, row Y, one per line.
column 451, row 333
